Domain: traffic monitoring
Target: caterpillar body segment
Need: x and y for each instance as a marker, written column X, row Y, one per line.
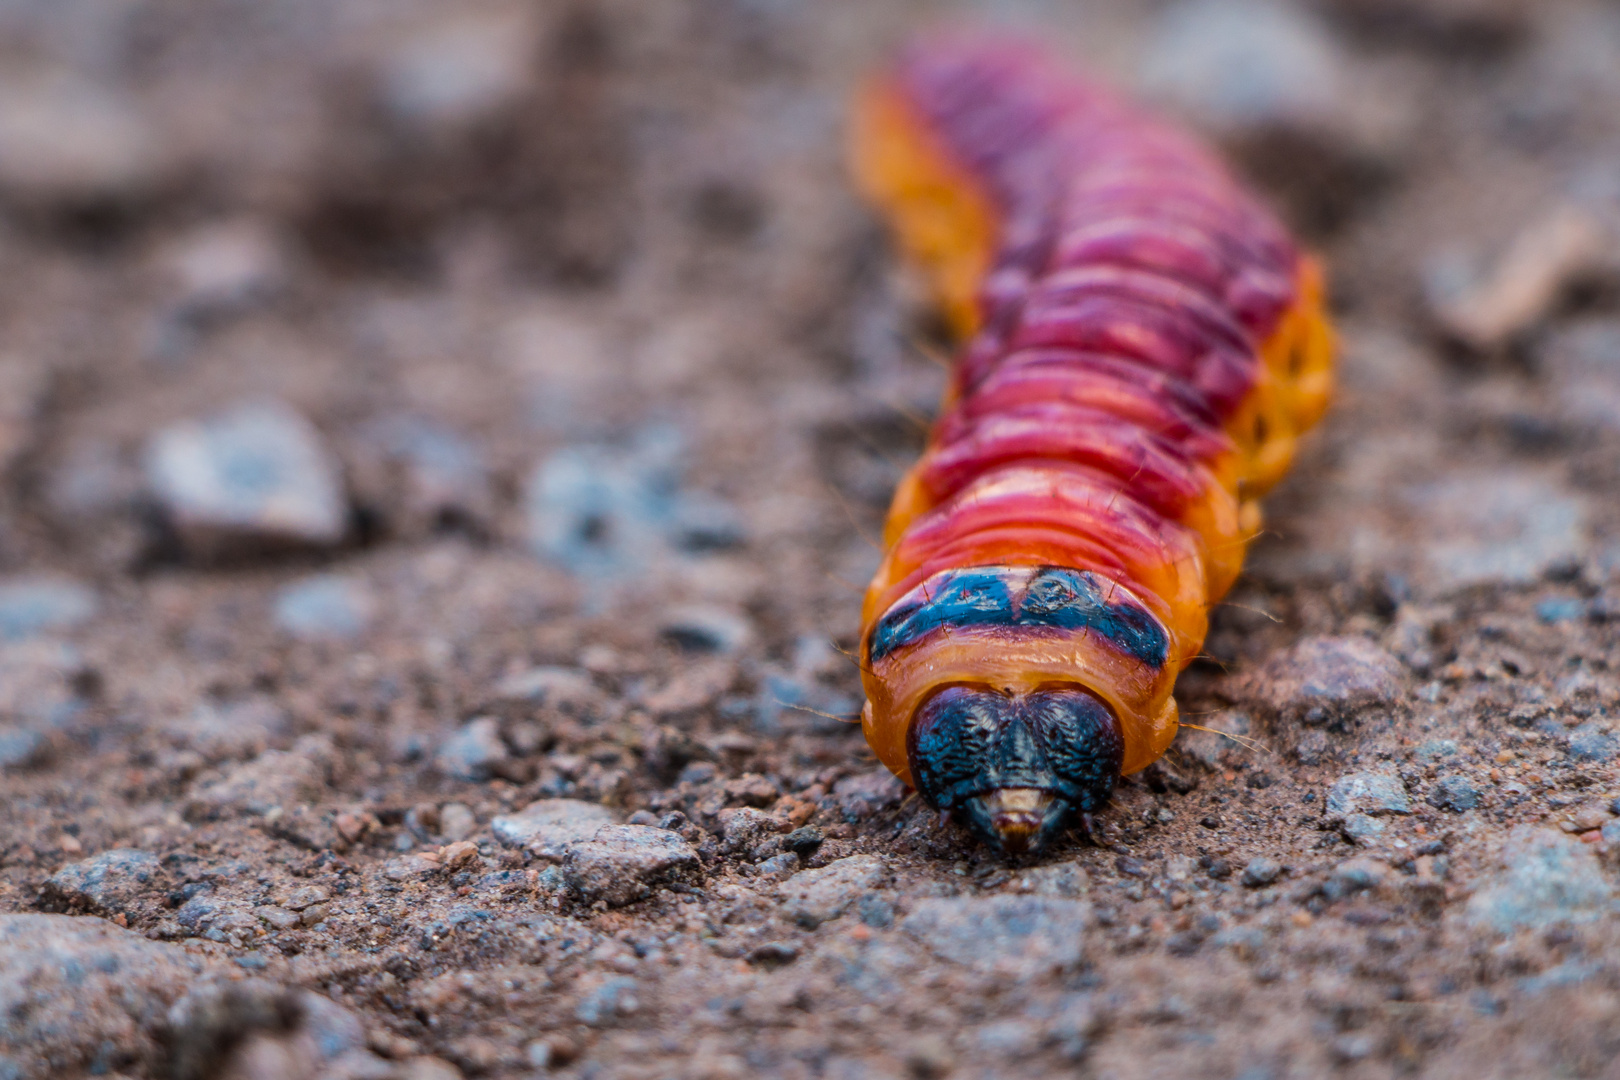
column 1142, row 347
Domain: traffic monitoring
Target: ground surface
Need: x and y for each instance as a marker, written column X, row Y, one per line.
column 574, row 382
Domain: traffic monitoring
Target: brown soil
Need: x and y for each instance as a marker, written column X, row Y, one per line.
column 640, row 225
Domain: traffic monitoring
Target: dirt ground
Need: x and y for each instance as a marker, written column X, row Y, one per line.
column 415, row 412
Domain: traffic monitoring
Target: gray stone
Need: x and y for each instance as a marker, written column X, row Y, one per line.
column 1323, row 679
column 277, row 918
column 779, row 867
column 1546, row 878
column 547, row 827
column 864, row 794
column 742, row 828
column 324, row 607
column 1454, row 793
column 621, row 864
column 104, row 884
column 702, row 628
column 1353, row 876
column 421, row 476
column 1593, row 742
column 254, row 477
column 72, row 986
column 1435, row 749
column 1244, row 65
column 32, row 606
column 1018, row 936
column 813, row 897
column 1362, row 829
column 1261, row 872
column 612, row 1000
column 23, row 747
column 619, row 510
column 1374, row 793
column 603, row 509
column 474, row 752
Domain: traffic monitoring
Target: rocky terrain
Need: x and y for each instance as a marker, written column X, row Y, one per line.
column 442, row 446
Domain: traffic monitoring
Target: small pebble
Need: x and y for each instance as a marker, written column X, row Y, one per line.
column 1261, row 872
column 1454, row 793
column 1374, row 793
column 621, row 864
column 474, row 751
column 252, row 477
column 326, row 606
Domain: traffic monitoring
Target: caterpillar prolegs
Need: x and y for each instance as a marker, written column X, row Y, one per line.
column 1141, row 345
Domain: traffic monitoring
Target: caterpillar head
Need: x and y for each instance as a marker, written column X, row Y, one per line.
column 1015, row 767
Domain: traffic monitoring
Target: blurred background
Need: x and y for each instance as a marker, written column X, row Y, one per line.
column 508, row 393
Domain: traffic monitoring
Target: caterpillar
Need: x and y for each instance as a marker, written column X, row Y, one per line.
column 1140, row 346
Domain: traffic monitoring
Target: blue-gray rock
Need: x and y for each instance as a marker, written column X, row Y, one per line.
column 1323, row 679
column 104, row 884
column 1362, row 829
column 547, row 827
column 324, row 607
column 23, row 747
column 1547, row 878
column 812, row 897
column 612, row 1000
column 256, row 476
column 864, row 794
column 1435, row 749
column 1019, row 936
column 1374, row 793
column 474, row 752
column 1560, row 609
column 1261, row 872
column 1244, row 65
column 420, row 475
column 32, row 606
column 1593, row 742
column 621, row 864
column 1454, row 793
column 601, row 509
column 619, row 510
column 1353, row 876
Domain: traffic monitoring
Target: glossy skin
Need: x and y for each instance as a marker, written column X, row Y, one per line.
column 1142, row 345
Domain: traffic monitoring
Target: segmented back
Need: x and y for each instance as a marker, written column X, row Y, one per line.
column 1143, row 344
